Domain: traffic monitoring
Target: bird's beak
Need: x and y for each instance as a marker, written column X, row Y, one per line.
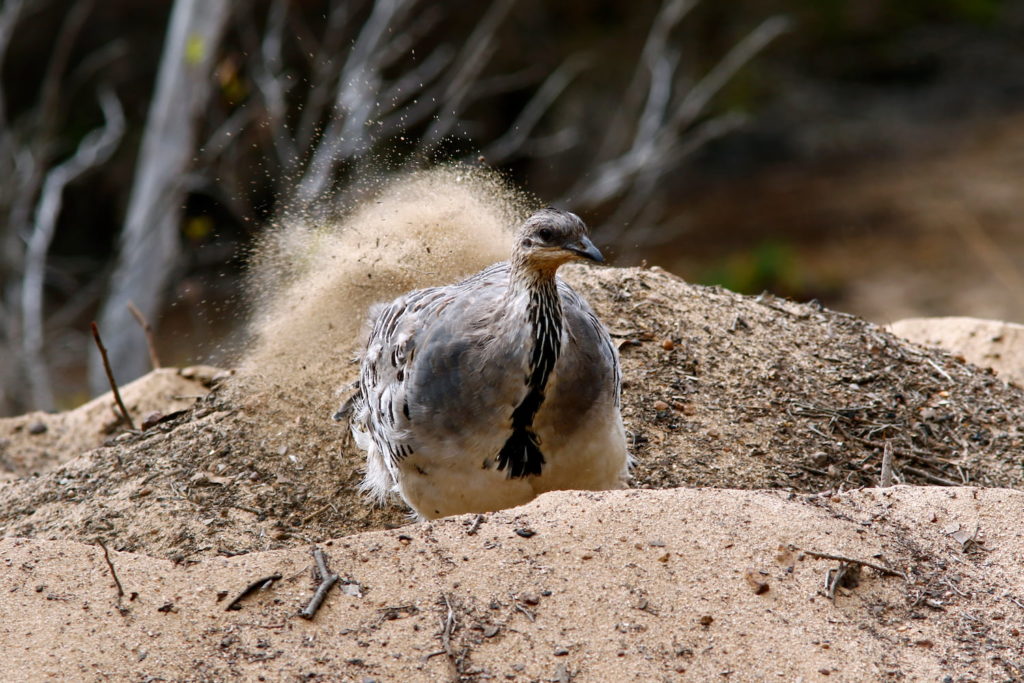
column 584, row 248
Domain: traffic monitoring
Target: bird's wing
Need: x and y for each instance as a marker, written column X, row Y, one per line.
column 427, row 371
column 390, row 349
column 590, row 360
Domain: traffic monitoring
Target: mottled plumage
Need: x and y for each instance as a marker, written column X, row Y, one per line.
column 480, row 395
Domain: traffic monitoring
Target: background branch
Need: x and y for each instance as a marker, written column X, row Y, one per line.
column 95, row 148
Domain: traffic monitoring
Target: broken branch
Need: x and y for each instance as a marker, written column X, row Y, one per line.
column 110, row 565
column 931, row 477
column 154, row 359
column 258, row 584
column 851, row 560
column 327, row 580
column 110, row 375
column 447, row 629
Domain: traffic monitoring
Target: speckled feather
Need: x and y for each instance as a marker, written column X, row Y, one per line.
column 445, row 370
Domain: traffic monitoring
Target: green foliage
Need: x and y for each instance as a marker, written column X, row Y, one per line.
column 768, row 266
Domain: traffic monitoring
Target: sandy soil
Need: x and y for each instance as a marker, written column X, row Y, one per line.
column 639, row 585
column 37, row 441
column 987, row 343
column 751, row 547
column 673, row 584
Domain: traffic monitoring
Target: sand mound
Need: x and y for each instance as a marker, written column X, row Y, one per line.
column 986, row 343
column 719, row 390
column 37, row 441
column 638, row 585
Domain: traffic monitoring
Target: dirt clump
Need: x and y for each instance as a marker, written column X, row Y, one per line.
column 759, row 392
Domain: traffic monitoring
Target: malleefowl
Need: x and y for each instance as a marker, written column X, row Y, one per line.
column 480, row 395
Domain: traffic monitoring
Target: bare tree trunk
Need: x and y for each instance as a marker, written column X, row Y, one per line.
column 149, row 247
column 95, row 149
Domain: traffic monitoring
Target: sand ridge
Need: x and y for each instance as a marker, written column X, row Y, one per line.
column 645, row 585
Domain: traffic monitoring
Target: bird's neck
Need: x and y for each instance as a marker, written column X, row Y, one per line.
column 529, row 279
column 545, row 315
column 534, row 293
column 537, row 291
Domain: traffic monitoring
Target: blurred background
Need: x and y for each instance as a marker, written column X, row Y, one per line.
column 865, row 153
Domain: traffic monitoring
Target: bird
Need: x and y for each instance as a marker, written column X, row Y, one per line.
column 480, row 395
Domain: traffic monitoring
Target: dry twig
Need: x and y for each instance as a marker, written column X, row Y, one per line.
column 529, row 615
column 886, row 478
column 449, row 626
column 851, row 560
column 258, row 584
column 327, row 579
column 110, row 376
column 110, row 565
column 834, row 578
column 931, row 477
column 154, row 359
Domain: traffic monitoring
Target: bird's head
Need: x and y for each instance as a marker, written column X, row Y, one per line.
column 551, row 237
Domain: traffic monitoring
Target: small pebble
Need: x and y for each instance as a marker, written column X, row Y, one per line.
column 660, row 405
column 37, row 428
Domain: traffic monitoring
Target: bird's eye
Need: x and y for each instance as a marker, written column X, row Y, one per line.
column 545, row 234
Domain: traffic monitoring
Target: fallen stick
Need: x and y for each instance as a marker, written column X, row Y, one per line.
column 256, row 585
column 327, row 579
column 147, row 329
column 449, row 627
column 110, row 376
column 852, row 560
column 931, row 477
column 110, row 565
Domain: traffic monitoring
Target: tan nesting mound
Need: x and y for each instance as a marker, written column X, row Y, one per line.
column 719, row 390
column 35, row 442
column 629, row 585
column 986, row 343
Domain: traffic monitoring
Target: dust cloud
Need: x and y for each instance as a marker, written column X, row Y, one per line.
column 312, row 278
